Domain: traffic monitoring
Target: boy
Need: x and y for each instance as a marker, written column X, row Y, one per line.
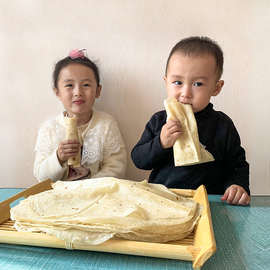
column 193, row 71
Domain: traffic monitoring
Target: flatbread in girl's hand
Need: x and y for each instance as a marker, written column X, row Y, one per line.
column 187, row 149
column 72, row 134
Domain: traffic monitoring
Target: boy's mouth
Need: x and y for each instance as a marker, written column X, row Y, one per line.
column 185, row 101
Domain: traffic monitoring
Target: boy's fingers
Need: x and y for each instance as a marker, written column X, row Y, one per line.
column 172, row 123
column 225, row 196
column 174, row 129
column 232, row 192
column 175, row 135
column 245, row 199
column 237, row 197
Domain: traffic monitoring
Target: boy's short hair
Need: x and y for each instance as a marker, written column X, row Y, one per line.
column 194, row 46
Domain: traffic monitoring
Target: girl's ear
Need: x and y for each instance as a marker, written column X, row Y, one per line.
column 55, row 90
column 218, row 88
column 98, row 91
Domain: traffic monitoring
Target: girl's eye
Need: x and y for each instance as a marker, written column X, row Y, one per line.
column 68, row 85
column 198, row 84
column 177, row 82
column 86, row 85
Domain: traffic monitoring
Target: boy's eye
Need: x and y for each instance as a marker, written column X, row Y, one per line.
column 86, row 84
column 198, row 84
column 177, row 82
column 68, row 85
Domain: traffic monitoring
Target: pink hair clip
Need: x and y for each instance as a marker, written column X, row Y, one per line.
column 77, row 53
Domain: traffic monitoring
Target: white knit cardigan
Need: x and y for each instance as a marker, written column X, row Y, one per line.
column 104, row 152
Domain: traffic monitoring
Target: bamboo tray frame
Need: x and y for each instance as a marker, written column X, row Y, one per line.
column 197, row 247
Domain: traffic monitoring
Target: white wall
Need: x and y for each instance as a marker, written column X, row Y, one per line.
column 130, row 41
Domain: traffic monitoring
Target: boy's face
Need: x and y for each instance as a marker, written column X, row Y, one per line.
column 192, row 79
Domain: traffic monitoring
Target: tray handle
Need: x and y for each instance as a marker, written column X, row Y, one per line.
column 204, row 239
column 5, row 205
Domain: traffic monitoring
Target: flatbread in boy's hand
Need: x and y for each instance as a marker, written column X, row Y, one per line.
column 187, row 148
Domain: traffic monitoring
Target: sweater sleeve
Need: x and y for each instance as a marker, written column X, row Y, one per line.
column 148, row 153
column 46, row 164
column 114, row 160
column 236, row 160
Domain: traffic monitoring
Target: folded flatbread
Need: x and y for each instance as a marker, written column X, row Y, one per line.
column 187, row 149
column 72, row 134
column 94, row 210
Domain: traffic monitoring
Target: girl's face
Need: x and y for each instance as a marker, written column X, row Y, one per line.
column 77, row 89
column 192, row 80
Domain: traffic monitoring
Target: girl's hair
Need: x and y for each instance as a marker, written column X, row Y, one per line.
column 199, row 46
column 80, row 60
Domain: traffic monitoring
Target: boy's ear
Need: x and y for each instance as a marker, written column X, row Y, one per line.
column 218, row 88
column 98, row 91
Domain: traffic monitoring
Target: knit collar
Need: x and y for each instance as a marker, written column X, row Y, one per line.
column 205, row 112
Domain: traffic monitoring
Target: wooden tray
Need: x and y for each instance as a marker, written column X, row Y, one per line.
column 198, row 247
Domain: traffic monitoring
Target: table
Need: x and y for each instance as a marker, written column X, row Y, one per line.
column 242, row 236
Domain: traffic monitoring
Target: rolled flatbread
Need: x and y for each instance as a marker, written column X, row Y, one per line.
column 72, row 134
column 187, row 148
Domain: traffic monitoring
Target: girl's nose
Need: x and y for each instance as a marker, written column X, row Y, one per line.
column 77, row 90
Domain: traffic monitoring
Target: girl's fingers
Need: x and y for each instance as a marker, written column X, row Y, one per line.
column 71, row 145
column 67, row 151
column 70, row 153
column 70, row 142
column 70, row 149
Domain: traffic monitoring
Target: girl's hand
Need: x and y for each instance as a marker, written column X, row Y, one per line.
column 78, row 173
column 169, row 133
column 235, row 194
column 67, row 149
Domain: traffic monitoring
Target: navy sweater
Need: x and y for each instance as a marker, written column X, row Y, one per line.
column 218, row 133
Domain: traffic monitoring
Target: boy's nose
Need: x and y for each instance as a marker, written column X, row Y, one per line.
column 185, row 95
column 186, row 92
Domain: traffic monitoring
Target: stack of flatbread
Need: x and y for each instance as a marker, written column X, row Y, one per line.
column 94, row 210
column 187, row 149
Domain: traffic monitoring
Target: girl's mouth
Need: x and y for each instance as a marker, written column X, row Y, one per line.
column 78, row 102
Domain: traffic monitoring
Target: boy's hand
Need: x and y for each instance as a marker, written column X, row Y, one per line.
column 235, row 194
column 67, row 149
column 169, row 133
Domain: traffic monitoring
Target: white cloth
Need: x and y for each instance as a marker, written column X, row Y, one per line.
column 104, row 152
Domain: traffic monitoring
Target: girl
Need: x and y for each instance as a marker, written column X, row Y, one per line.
column 76, row 83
